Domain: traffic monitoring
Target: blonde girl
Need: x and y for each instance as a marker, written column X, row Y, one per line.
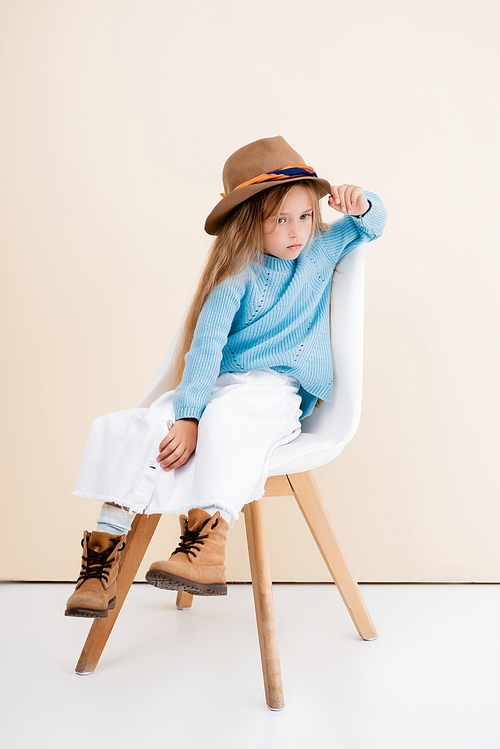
column 253, row 360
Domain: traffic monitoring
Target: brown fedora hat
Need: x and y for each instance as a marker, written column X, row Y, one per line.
column 259, row 166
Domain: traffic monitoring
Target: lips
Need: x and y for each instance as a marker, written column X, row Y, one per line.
column 294, row 246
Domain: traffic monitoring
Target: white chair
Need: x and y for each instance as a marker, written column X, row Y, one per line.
column 324, row 435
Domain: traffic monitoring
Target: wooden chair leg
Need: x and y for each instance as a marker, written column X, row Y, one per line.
column 184, row 600
column 264, row 604
column 311, row 503
column 138, row 540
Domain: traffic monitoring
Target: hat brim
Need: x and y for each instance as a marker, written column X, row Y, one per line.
column 215, row 220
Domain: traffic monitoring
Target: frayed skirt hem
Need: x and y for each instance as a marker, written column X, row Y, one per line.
column 138, row 510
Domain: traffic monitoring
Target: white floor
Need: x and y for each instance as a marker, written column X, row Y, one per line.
column 192, row 679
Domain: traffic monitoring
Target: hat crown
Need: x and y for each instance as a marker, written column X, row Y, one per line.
column 260, row 157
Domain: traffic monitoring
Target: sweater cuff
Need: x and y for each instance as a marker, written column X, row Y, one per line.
column 372, row 222
column 189, row 412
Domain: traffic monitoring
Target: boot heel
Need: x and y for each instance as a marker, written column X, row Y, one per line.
column 112, row 603
column 86, row 613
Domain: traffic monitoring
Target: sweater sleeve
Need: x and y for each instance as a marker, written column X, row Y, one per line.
column 342, row 236
column 204, row 357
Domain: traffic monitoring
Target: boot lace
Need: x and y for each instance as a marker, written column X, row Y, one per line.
column 191, row 539
column 96, row 564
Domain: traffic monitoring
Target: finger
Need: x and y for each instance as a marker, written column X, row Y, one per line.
column 166, row 440
column 169, row 449
column 332, row 204
column 173, row 456
column 355, row 195
column 349, row 204
column 342, row 189
column 335, row 195
column 181, row 460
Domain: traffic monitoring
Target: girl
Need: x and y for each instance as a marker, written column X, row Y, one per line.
column 253, row 360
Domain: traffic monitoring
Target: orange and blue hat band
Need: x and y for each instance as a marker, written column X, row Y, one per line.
column 294, row 170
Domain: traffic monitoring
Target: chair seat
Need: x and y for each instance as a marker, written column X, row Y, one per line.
column 305, row 452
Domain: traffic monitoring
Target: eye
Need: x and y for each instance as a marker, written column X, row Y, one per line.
column 280, row 220
column 306, row 215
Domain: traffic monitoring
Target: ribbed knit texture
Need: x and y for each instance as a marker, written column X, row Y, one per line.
column 114, row 520
column 277, row 316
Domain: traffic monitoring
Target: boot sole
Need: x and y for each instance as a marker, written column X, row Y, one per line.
column 167, row 581
column 91, row 613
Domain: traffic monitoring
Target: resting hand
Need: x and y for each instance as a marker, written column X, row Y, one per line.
column 348, row 199
column 179, row 444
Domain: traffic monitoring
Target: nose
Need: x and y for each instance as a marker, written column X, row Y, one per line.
column 292, row 232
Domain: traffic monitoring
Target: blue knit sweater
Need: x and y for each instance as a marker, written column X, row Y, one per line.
column 277, row 316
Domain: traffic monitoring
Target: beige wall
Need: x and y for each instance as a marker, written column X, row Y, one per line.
column 117, row 118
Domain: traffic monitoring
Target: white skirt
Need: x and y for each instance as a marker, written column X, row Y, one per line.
column 248, row 415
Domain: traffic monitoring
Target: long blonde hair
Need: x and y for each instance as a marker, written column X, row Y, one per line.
column 238, row 244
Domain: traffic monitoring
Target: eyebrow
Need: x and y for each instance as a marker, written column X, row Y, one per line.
column 287, row 213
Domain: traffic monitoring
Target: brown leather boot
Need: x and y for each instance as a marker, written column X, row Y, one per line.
column 95, row 592
column 198, row 563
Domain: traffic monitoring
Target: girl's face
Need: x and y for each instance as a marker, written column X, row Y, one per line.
column 286, row 237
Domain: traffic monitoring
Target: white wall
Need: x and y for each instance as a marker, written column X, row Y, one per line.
column 117, row 118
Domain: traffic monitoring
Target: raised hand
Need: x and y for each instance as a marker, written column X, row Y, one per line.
column 349, row 199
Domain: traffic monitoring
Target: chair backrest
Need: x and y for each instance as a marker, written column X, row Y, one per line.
column 338, row 419
column 159, row 384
